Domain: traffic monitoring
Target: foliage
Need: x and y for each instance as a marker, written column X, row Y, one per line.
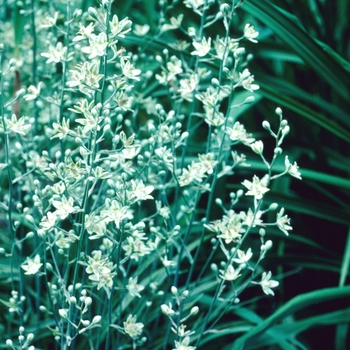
column 137, row 210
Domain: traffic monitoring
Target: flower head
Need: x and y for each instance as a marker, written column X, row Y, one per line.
column 202, row 48
column 292, row 169
column 257, row 187
column 133, row 328
column 267, row 283
column 250, row 33
column 32, row 266
column 283, row 222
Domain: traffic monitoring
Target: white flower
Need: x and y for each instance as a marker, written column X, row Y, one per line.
column 195, row 172
column 55, row 54
column 239, row 133
column 32, row 266
column 243, row 257
column 247, row 81
column 18, row 126
column 50, row 21
column 230, row 274
column 48, row 221
column 266, row 283
column 33, row 92
column 120, row 28
column 134, row 288
column 133, row 328
column 141, row 30
column 64, row 207
column 195, row 4
column 62, row 130
column 187, row 86
column 202, row 48
column 174, row 23
column 140, row 191
column 183, row 345
column 292, row 169
column 97, row 47
column 129, row 70
column 84, row 32
column 115, row 212
column 207, row 161
column 257, row 187
column 250, row 33
column 283, row 222
column 257, row 147
column 167, row 310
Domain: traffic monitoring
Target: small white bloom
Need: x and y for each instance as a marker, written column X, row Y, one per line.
column 257, row 187
column 195, row 4
column 32, row 266
column 257, row 147
column 202, row 48
column 250, row 33
column 247, row 80
column 283, row 222
column 55, row 54
column 174, row 23
column 129, row 70
column 141, row 30
column 33, row 92
column 292, row 168
column 239, row 133
column 134, row 288
column 167, row 310
column 230, row 274
column 133, row 328
column 97, row 47
column 84, row 32
column 267, row 283
column 120, row 28
column 187, row 86
column 140, row 191
column 64, row 207
column 183, row 345
column 243, row 257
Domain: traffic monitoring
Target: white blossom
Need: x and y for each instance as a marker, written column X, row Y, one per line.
column 257, row 187
column 133, row 328
column 267, row 283
column 134, row 288
column 250, row 33
column 202, row 48
column 32, row 266
column 292, row 169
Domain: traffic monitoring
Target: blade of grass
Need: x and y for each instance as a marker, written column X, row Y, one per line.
column 298, row 303
column 289, row 30
column 343, row 329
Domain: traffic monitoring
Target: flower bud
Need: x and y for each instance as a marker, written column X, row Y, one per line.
column 278, row 111
column 96, row 319
column 93, row 13
column 63, row 313
column 194, row 310
column 257, row 147
column 286, row 130
column 266, row 125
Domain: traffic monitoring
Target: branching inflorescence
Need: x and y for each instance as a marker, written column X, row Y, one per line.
column 109, row 203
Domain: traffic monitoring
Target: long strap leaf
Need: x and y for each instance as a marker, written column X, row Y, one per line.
column 299, row 302
column 288, row 29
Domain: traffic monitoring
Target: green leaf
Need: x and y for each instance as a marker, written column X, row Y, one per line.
column 297, row 303
column 288, row 28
